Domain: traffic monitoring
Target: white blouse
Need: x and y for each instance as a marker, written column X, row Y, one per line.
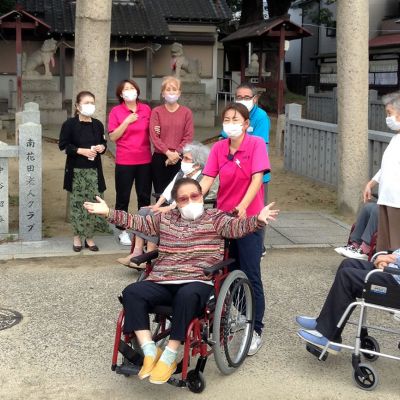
column 388, row 176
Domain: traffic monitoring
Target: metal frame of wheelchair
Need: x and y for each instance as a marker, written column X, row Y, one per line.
column 215, row 332
column 378, row 297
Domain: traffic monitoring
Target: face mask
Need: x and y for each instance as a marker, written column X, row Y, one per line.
column 187, row 167
column 392, row 123
column 249, row 104
column 192, row 211
column 130, row 94
column 87, row 109
column 233, row 130
column 171, row 98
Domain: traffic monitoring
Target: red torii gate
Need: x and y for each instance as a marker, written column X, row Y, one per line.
column 19, row 19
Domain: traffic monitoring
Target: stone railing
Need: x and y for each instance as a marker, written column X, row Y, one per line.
column 310, row 147
column 29, row 152
column 323, row 107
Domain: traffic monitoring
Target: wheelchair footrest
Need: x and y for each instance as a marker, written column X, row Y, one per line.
column 316, row 351
column 176, row 382
column 127, row 369
column 130, row 354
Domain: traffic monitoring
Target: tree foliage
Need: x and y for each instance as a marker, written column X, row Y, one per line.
column 6, row 6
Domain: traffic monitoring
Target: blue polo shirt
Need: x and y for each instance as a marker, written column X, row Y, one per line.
column 259, row 126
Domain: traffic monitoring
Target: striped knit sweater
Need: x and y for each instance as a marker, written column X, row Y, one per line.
column 186, row 247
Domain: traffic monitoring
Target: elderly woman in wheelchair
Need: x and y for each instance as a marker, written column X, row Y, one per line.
column 376, row 284
column 191, row 241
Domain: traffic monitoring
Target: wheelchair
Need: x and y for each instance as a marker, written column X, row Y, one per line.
column 225, row 329
column 375, row 296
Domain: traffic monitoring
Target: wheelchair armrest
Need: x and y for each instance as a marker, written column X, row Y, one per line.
column 145, row 257
column 216, row 267
column 393, row 271
column 379, row 253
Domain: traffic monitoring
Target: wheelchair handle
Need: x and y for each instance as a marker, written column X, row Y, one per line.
column 379, row 253
column 216, row 267
column 391, row 270
column 145, row 257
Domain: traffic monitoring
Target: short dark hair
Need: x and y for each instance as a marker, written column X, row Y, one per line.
column 79, row 96
column 237, row 107
column 182, row 182
column 120, row 88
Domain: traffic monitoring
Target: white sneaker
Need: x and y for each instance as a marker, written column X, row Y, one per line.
column 124, row 239
column 256, row 343
column 355, row 253
column 342, row 249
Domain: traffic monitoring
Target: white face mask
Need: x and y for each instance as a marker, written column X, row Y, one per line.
column 187, row 167
column 192, row 211
column 171, row 98
column 87, row 109
column 249, row 104
column 233, row 130
column 392, row 123
column 129, row 94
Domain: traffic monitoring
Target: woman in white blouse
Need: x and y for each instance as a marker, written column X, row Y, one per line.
column 388, row 178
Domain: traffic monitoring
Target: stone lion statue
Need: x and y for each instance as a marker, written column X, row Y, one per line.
column 43, row 56
column 183, row 67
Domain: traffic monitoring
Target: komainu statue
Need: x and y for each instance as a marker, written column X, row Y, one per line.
column 184, row 68
column 43, row 56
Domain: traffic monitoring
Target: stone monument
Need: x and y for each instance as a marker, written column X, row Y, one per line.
column 254, row 67
column 193, row 91
column 42, row 89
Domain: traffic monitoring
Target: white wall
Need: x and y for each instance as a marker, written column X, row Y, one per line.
column 293, row 55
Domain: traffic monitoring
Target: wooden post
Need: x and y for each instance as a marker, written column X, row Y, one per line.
column 149, row 72
column 62, row 72
column 279, row 107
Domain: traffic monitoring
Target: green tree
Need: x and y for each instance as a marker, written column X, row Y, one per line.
column 6, row 6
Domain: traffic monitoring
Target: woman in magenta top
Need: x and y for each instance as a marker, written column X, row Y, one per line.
column 171, row 128
column 128, row 127
column 240, row 163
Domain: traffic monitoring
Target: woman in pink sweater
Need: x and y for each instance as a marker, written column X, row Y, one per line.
column 171, row 128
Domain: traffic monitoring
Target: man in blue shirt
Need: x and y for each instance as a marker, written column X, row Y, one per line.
column 347, row 286
column 260, row 125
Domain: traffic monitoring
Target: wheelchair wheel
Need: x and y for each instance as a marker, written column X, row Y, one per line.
column 195, row 381
column 368, row 379
column 370, row 343
column 233, row 322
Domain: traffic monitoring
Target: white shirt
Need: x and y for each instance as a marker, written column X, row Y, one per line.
column 388, row 176
column 167, row 191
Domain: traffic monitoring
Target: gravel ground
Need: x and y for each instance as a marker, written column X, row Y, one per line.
column 62, row 348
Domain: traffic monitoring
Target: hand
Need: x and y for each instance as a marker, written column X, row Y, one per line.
column 157, row 130
column 383, row 260
column 165, row 209
column 268, row 214
column 132, row 117
column 240, row 211
column 87, row 153
column 173, row 157
column 99, row 208
column 99, row 148
column 367, row 195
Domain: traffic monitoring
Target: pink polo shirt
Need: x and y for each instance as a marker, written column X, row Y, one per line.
column 133, row 147
column 235, row 174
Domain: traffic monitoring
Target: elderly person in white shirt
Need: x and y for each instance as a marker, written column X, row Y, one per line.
column 194, row 157
column 388, row 178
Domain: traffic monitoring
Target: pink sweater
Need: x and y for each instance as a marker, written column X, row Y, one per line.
column 176, row 128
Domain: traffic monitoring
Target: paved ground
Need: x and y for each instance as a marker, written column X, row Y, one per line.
column 62, row 348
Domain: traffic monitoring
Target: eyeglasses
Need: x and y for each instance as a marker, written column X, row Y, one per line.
column 182, row 200
column 244, row 97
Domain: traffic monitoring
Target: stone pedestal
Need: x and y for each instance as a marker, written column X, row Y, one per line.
column 194, row 96
column 46, row 93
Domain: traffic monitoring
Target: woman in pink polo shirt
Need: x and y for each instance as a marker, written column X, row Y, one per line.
column 128, row 127
column 171, row 128
column 240, row 163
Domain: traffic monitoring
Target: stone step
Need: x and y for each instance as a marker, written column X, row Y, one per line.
column 47, row 100
column 40, row 85
column 203, row 118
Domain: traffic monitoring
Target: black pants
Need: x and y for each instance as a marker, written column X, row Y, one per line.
column 348, row 284
column 125, row 176
column 162, row 174
column 187, row 300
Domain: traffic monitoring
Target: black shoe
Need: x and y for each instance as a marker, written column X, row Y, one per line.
column 91, row 248
column 77, row 249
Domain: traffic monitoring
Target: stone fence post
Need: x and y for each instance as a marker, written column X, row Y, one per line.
column 309, row 90
column 30, row 174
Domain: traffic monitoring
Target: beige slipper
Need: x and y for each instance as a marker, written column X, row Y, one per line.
column 124, row 261
column 135, row 266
